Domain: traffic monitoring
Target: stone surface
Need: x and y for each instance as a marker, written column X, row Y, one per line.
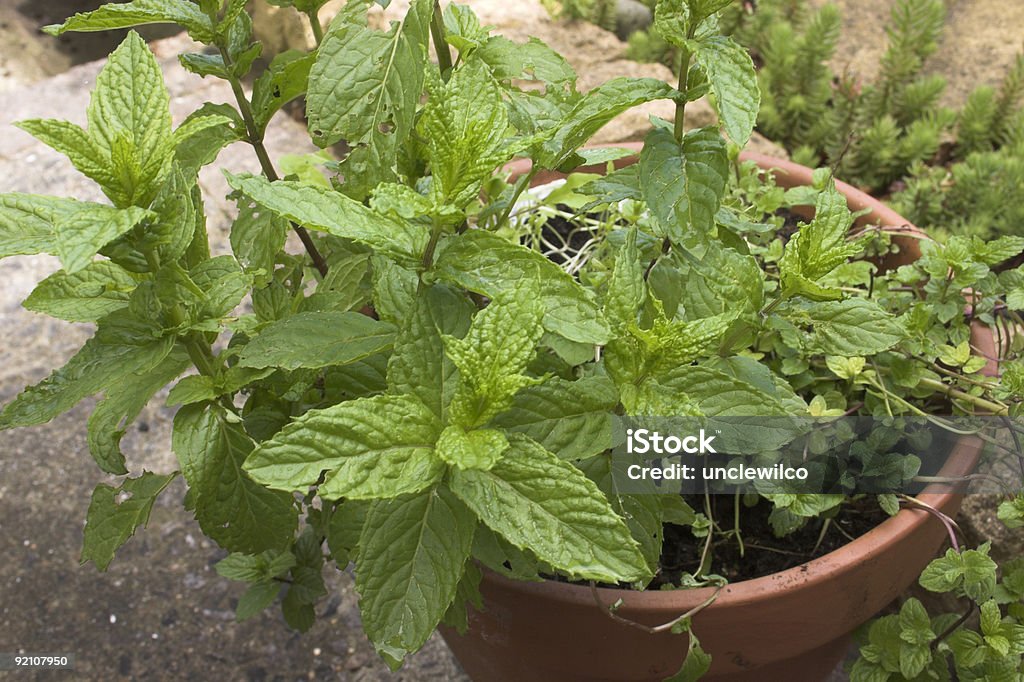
column 161, row 611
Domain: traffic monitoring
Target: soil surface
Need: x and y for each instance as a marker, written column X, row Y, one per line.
column 761, row 553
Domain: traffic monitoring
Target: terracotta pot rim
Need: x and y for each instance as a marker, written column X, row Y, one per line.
column 961, row 460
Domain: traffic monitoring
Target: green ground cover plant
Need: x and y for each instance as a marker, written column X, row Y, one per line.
column 421, row 391
column 949, row 171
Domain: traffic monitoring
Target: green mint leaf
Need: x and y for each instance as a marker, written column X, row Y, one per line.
column 1011, row 512
column 28, row 223
column 855, row 327
column 72, row 141
column 672, row 21
column 112, row 521
column 344, row 529
column 285, row 79
column 85, row 296
column 236, row 512
column 667, row 345
column 697, row 662
column 400, row 201
column 536, row 113
column 462, row 29
column 915, row 625
column 122, row 346
column 730, row 71
column 538, row 502
column 649, row 398
column 719, row 394
column 371, row 447
column 82, row 234
column 818, row 248
column 597, row 108
column 475, row 449
column 995, row 251
column 419, row 365
column 683, row 185
column 365, row 82
column 914, row 658
column 612, row 188
column 204, row 65
column 411, row 557
column 532, row 60
column 255, row 599
column 972, row 572
column 463, row 127
column 494, row 552
column 224, row 285
column 317, row 339
column 627, row 289
column 197, row 142
column 719, row 281
column 193, row 389
column 112, row 416
column 890, row 504
column 180, row 227
column 336, row 214
column 487, row 264
column 466, row 594
column 139, row 12
column 254, row 568
column 300, row 615
column 702, row 9
column 256, row 238
column 572, row 419
column 130, row 121
column 492, row 357
column 394, row 289
column 343, row 288
column 642, row 512
column 199, row 122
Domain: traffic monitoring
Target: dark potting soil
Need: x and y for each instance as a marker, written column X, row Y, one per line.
column 762, row 552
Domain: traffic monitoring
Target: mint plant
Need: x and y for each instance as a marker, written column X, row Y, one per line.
column 422, row 391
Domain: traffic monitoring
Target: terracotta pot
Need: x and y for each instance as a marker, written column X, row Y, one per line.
column 794, row 625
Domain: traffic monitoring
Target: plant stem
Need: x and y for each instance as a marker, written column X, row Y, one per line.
column 520, row 187
column 953, row 627
column 314, row 23
column 664, row 627
column 444, row 54
column 736, row 523
column 428, row 253
column 255, row 139
column 684, row 79
column 997, row 409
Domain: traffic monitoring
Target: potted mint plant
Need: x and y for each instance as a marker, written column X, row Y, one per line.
column 429, row 392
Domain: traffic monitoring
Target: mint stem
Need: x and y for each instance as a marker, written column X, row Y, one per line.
column 444, row 55
column 255, row 139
